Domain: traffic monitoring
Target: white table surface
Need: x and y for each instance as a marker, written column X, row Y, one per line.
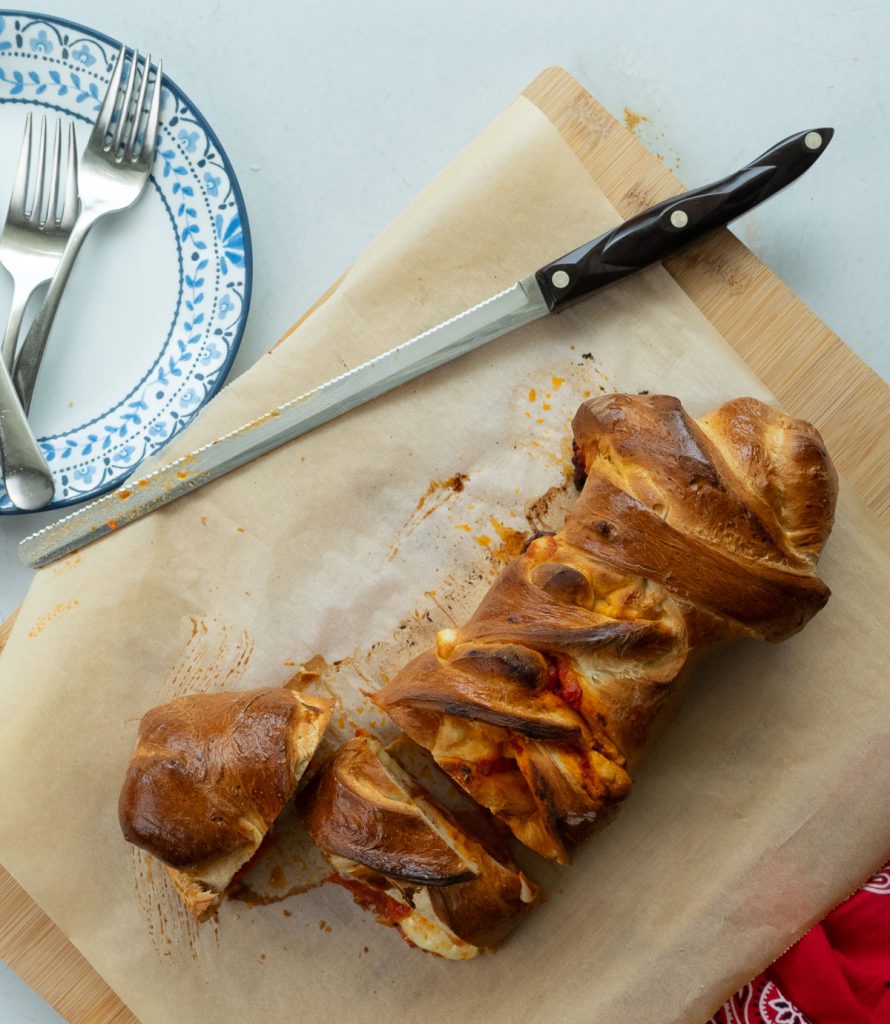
column 336, row 114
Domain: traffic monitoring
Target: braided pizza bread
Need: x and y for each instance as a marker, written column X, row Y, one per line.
column 686, row 534
column 405, row 856
column 210, row 774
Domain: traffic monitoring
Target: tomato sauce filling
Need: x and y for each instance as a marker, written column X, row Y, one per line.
column 564, row 682
column 493, row 765
column 369, row 898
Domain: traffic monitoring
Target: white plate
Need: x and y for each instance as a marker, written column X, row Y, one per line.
column 156, row 305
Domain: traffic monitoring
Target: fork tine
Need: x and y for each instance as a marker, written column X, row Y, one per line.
column 52, row 207
column 69, row 210
column 37, row 204
column 150, row 140
column 130, row 151
column 19, row 197
column 124, row 115
column 103, row 121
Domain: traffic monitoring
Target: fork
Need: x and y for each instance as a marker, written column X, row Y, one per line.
column 29, row 483
column 34, row 238
column 31, row 247
column 114, row 170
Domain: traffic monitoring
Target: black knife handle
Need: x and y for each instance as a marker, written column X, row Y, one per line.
column 663, row 229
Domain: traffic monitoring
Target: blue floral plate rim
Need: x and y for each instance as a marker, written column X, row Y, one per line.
column 114, row 474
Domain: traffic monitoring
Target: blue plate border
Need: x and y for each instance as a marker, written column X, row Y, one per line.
column 170, row 84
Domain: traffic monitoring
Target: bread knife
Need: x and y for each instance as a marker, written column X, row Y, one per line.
column 647, row 238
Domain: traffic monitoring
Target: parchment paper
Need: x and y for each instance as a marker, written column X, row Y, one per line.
column 764, row 805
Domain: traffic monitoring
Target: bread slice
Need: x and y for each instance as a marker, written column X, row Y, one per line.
column 209, row 776
column 406, row 857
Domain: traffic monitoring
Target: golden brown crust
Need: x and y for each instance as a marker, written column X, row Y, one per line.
column 210, row 774
column 386, row 835
column 772, row 602
column 355, row 810
column 785, row 461
column 686, row 534
column 458, row 689
column 484, row 910
column 713, row 511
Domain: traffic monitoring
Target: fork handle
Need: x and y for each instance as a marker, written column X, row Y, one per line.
column 30, row 355
column 20, row 296
column 29, row 483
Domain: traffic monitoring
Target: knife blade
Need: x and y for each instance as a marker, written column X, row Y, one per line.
column 650, row 236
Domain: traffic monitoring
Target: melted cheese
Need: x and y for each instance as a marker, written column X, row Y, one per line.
column 434, row 937
column 525, row 891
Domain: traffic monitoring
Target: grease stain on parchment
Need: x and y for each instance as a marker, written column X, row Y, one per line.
column 66, row 564
column 174, row 933
column 548, row 403
column 54, row 613
column 215, row 657
column 287, row 864
column 554, row 396
column 437, row 493
column 539, row 425
column 500, row 543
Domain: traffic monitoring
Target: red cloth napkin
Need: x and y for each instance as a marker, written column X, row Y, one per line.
column 838, row 973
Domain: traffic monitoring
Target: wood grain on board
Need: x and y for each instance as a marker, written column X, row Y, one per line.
column 809, row 369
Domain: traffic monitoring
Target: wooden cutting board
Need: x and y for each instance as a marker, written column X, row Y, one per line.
column 809, row 369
